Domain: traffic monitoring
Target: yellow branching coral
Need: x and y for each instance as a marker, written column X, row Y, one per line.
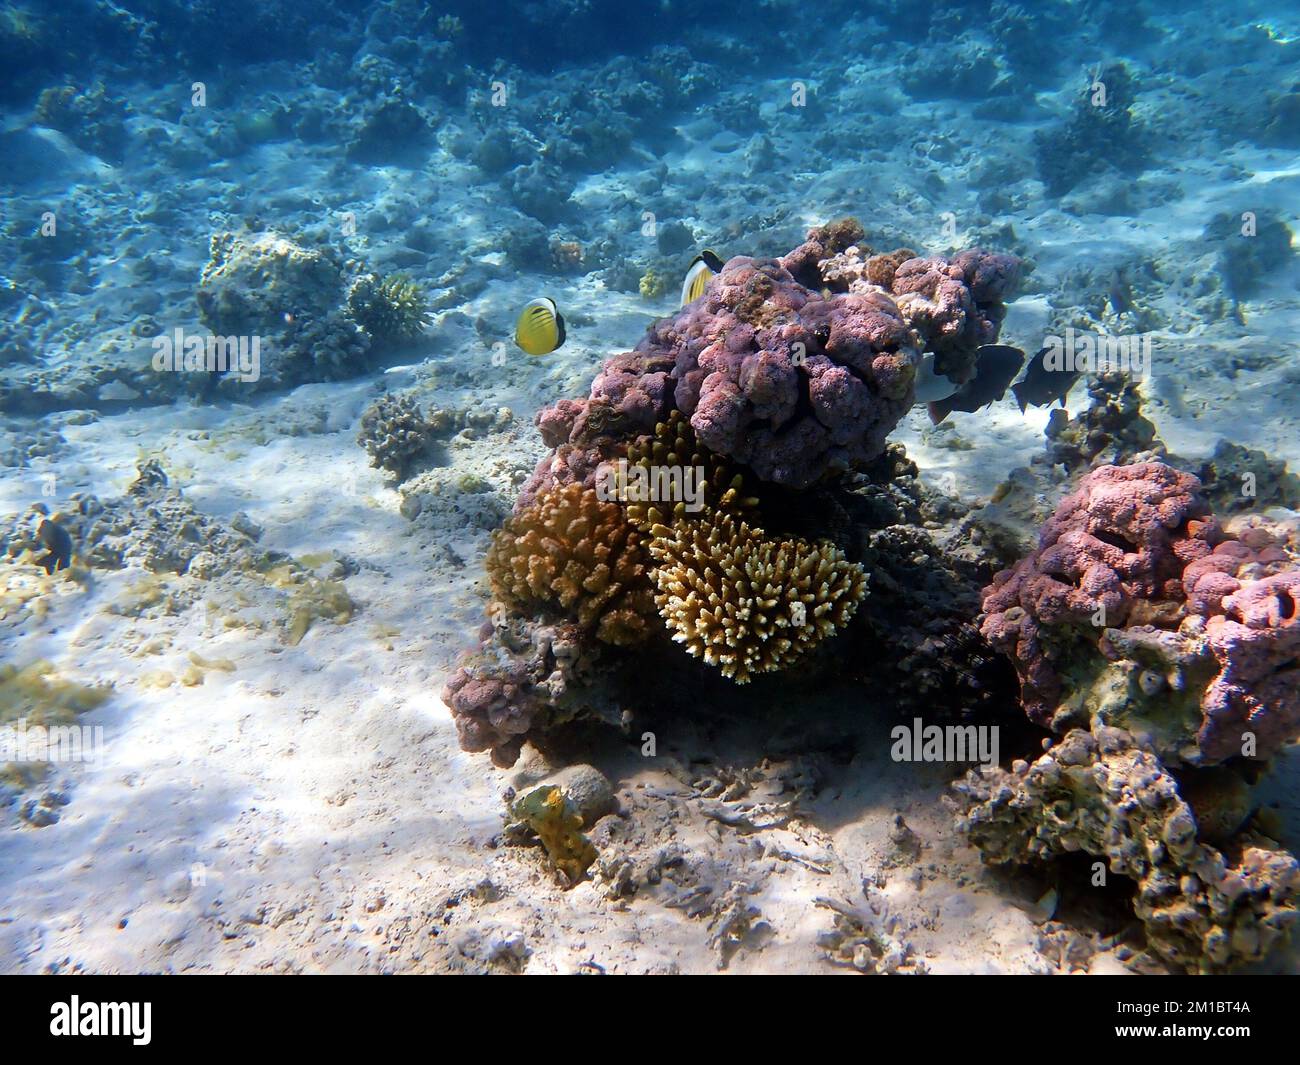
column 674, row 447
column 745, row 603
column 572, row 551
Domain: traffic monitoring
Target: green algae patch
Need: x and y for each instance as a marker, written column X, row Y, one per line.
column 38, row 694
column 140, row 595
column 314, row 600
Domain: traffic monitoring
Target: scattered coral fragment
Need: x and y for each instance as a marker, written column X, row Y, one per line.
column 558, row 825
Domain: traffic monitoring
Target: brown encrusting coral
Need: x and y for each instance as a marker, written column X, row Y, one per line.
column 572, row 554
column 748, row 604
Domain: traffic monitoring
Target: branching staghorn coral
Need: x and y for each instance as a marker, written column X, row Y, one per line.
column 1103, row 795
column 745, row 603
column 571, row 553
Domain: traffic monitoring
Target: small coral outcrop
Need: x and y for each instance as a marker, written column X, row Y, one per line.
column 1105, row 796
column 748, row 604
column 292, row 297
column 523, row 676
column 572, row 554
column 1111, row 431
column 317, row 314
column 395, row 432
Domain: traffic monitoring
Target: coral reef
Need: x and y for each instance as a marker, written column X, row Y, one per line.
column 396, row 131
column 748, row 604
column 953, row 305
column 570, row 553
column 651, row 285
column 920, row 639
column 1103, row 795
column 785, row 370
column 867, row 939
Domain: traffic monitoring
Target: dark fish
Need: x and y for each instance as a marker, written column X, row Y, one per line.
column 1119, row 293
column 995, row 367
column 55, row 537
column 1041, row 386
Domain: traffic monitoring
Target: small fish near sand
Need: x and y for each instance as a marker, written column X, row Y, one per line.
column 540, row 329
column 58, row 543
column 995, row 368
column 702, row 270
column 1040, row 386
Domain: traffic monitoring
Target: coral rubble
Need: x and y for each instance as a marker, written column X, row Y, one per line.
column 1103, row 795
